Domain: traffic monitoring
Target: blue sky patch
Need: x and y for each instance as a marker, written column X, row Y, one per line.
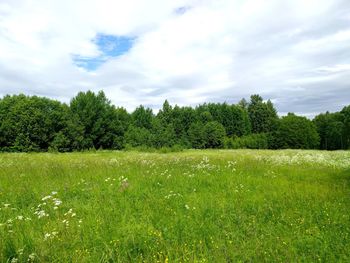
column 182, row 9
column 109, row 45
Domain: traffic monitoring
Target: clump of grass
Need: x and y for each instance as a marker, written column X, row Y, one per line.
column 189, row 206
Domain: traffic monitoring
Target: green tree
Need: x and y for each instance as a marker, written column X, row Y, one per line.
column 165, row 114
column 163, row 135
column 331, row 129
column 295, row 132
column 142, row 117
column 235, row 120
column 263, row 116
column 345, row 112
column 214, row 134
column 29, row 123
column 138, row 136
column 197, row 135
column 243, row 103
column 97, row 117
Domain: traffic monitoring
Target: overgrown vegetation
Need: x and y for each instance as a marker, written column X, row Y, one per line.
column 90, row 121
column 193, row 206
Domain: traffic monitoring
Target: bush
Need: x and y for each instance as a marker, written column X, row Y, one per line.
column 60, row 143
column 252, row 141
column 136, row 136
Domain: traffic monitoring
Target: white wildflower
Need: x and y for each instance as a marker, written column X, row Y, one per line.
column 50, row 235
column 31, row 257
column 57, row 202
column 41, row 213
column 46, row 197
column 66, row 222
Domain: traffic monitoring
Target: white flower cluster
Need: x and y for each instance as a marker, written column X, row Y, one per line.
column 49, row 236
column 231, row 165
column 40, row 211
column 68, row 216
column 188, row 207
column 31, row 257
column 172, row 194
column 339, row 159
column 166, row 173
column 239, row 188
column 123, row 179
column 204, row 164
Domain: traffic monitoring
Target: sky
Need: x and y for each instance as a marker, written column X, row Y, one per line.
column 294, row 52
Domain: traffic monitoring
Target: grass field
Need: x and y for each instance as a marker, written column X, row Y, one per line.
column 192, row 206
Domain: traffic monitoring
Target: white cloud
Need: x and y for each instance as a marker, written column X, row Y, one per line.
column 213, row 51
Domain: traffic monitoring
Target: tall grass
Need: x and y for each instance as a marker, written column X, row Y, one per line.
column 192, row 206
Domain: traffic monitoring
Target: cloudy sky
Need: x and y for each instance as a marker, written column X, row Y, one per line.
column 294, row 52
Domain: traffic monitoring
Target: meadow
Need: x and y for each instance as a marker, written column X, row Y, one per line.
column 190, row 206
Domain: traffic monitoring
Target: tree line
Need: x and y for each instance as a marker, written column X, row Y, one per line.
column 90, row 121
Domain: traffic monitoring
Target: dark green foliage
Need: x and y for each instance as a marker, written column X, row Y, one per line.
column 97, row 117
column 196, row 135
column 234, row 118
column 165, row 114
column 121, row 123
column 31, row 123
column 331, row 130
column 138, row 136
column 263, row 116
column 142, row 117
column 214, row 135
column 163, row 135
column 346, row 129
column 182, row 118
column 295, row 132
column 60, row 143
column 243, row 103
column 252, row 141
column 205, row 117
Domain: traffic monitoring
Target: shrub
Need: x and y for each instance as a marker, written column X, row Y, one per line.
column 252, row 141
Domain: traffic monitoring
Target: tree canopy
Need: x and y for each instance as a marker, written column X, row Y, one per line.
column 90, row 121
